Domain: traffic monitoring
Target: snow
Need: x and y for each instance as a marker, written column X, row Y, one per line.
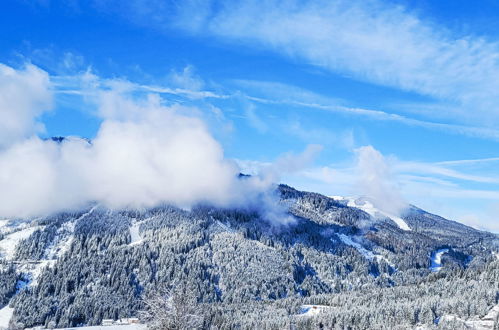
column 3, row 223
column 369, row 208
column 111, row 327
column 312, row 310
column 366, row 253
column 348, row 241
column 9, row 243
column 492, row 314
column 5, row 316
column 8, row 226
column 486, row 322
column 436, row 259
column 224, row 226
column 37, row 269
column 62, row 241
column 135, row 237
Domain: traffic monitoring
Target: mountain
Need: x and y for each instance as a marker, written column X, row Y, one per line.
column 341, row 263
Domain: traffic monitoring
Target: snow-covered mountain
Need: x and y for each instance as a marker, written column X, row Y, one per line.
column 365, row 267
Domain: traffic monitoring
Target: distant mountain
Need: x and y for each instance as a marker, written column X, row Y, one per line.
column 342, row 263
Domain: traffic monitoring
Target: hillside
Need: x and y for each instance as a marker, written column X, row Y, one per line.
column 247, row 272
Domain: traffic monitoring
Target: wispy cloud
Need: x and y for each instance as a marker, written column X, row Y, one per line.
column 440, row 169
column 469, row 161
column 355, row 38
column 262, row 92
column 284, row 94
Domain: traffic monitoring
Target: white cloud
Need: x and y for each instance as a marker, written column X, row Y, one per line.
column 375, row 180
column 253, row 119
column 375, row 41
column 87, row 84
column 439, row 169
column 285, row 164
column 440, row 188
column 144, row 154
column 25, row 95
column 357, row 38
column 161, row 157
column 469, row 161
column 284, row 94
column 187, row 79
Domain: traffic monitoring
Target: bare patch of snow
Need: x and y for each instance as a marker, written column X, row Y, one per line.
column 135, row 237
column 5, row 316
column 9, row 243
column 312, row 310
column 3, row 223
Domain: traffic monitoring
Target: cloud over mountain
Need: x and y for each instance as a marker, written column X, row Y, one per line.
column 144, row 154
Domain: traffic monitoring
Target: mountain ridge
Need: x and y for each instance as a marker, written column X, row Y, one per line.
column 74, row 264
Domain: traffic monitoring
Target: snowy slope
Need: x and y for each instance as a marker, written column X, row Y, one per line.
column 368, row 207
column 362, row 250
column 135, row 237
column 9, row 243
column 5, row 316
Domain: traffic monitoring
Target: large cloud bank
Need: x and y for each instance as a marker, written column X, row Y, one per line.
column 24, row 96
column 144, row 154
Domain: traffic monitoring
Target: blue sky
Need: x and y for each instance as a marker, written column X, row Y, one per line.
column 418, row 81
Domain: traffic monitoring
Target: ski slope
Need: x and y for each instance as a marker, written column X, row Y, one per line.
column 368, row 207
column 369, row 255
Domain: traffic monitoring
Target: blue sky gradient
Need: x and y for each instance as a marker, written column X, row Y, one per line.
column 418, row 81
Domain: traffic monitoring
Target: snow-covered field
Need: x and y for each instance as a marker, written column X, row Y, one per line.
column 5, row 316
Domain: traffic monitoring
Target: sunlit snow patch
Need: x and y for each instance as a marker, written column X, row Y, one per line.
column 368, row 207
